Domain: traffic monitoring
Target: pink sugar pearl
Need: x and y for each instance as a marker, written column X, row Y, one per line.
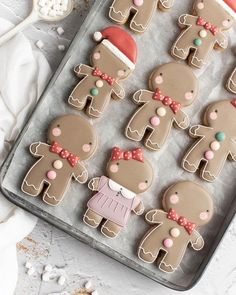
column 209, row 155
column 168, row 243
column 51, row 175
column 138, row 2
column 155, row 121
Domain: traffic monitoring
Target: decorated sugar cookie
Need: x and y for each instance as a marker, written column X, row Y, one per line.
column 118, row 193
column 216, row 143
column 231, row 84
column 140, row 12
column 71, row 141
column 173, row 86
column 203, row 31
column 113, row 60
column 187, row 206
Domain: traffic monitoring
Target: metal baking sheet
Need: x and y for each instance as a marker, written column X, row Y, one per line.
column 154, row 44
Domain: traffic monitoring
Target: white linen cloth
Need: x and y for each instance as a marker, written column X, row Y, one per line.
column 23, row 76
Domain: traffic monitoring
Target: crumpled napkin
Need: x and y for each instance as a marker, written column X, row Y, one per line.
column 23, row 76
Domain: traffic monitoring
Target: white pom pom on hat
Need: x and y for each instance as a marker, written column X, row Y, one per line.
column 97, row 36
column 229, row 6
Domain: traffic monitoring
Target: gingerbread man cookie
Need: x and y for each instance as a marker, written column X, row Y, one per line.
column 118, row 193
column 217, row 141
column 231, row 84
column 113, row 60
column 140, row 11
column 173, row 86
column 203, row 31
column 71, row 140
column 186, row 207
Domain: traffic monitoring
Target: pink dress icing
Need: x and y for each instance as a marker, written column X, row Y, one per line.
column 112, row 204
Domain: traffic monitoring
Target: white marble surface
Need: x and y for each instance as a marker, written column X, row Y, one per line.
column 72, row 259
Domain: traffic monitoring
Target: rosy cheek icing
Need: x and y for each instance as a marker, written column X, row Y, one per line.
column 203, row 216
column 56, row 131
column 159, row 80
column 97, row 55
column 174, row 199
column 142, row 186
column 120, row 73
column 225, row 23
column 200, row 6
column 86, row 148
column 188, row 95
column 213, row 116
column 114, row 168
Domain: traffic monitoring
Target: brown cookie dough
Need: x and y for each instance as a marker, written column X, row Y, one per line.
column 71, row 140
column 173, row 86
column 203, row 31
column 217, row 141
column 140, row 12
column 186, row 207
column 118, row 193
column 113, row 60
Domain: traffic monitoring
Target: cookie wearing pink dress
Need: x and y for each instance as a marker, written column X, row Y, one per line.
column 118, row 194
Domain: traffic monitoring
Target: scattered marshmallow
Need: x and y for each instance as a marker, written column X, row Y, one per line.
column 88, row 285
column 48, row 267
column 39, row 44
column 30, row 271
column 60, row 31
column 28, row 265
column 61, row 281
column 95, row 292
column 61, row 47
column 53, row 8
column 46, row 276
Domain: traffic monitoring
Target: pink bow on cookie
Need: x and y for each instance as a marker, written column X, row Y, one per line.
column 118, row 154
column 64, row 154
column 208, row 26
column 167, row 101
column 182, row 221
column 98, row 73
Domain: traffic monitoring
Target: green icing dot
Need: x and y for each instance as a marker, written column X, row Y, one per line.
column 197, row 42
column 94, row 91
column 220, row 136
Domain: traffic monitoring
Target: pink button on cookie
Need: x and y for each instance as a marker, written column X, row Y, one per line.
column 209, row 155
column 155, row 121
column 168, row 243
column 138, row 2
column 51, row 175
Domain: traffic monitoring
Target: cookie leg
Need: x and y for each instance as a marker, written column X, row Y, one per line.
column 146, row 255
column 212, row 168
column 198, row 59
column 79, row 96
column 31, row 185
column 120, row 11
column 171, row 261
column 92, row 219
column 192, row 160
column 155, row 140
column 180, row 50
column 54, row 194
column 97, row 106
column 110, row 229
column 136, row 128
column 142, row 18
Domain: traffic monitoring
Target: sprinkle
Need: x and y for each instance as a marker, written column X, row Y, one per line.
column 39, row 44
column 60, row 31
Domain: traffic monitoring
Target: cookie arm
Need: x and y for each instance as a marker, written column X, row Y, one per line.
column 142, row 96
column 187, row 20
column 221, row 41
column 196, row 241
column 39, row 148
column 155, row 216
column 199, row 131
column 93, row 184
column 118, row 91
column 80, row 173
column 233, row 150
column 181, row 119
column 139, row 209
column 83, row 70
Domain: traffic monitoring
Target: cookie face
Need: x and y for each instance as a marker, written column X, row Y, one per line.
column 71, row 140
column 173, row 86
column 186, row 207
column 202, row 31
column 139, row 12
column 128, row 174
column 190, row 200
column 216, row 143
column 112, row 61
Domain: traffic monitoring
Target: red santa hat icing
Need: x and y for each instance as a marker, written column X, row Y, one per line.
column 229, row 6
column 120, row 43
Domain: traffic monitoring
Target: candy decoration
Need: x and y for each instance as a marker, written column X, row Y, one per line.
column 215, row 145
column 155, row 121
column 220, row 136
column 197, row 42
column 64, row 154
column 167, row 101
column 118, row 154
column 209, row 155
column 51, row 175
column 175, row 232
column 189, row 226
column 168, row 243
column 94, row 92
column 208, row 26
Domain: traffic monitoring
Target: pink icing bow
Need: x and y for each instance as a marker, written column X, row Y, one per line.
column 182, row 221
column 118, row 154
column 233, row 102
column 167, row 101
column 208, row 26
column 98, row 73
column 64, row 154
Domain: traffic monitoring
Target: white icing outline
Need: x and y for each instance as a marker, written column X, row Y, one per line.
column 86, row 216
column 232, row 82
column 89, row 96
column 111, row 231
